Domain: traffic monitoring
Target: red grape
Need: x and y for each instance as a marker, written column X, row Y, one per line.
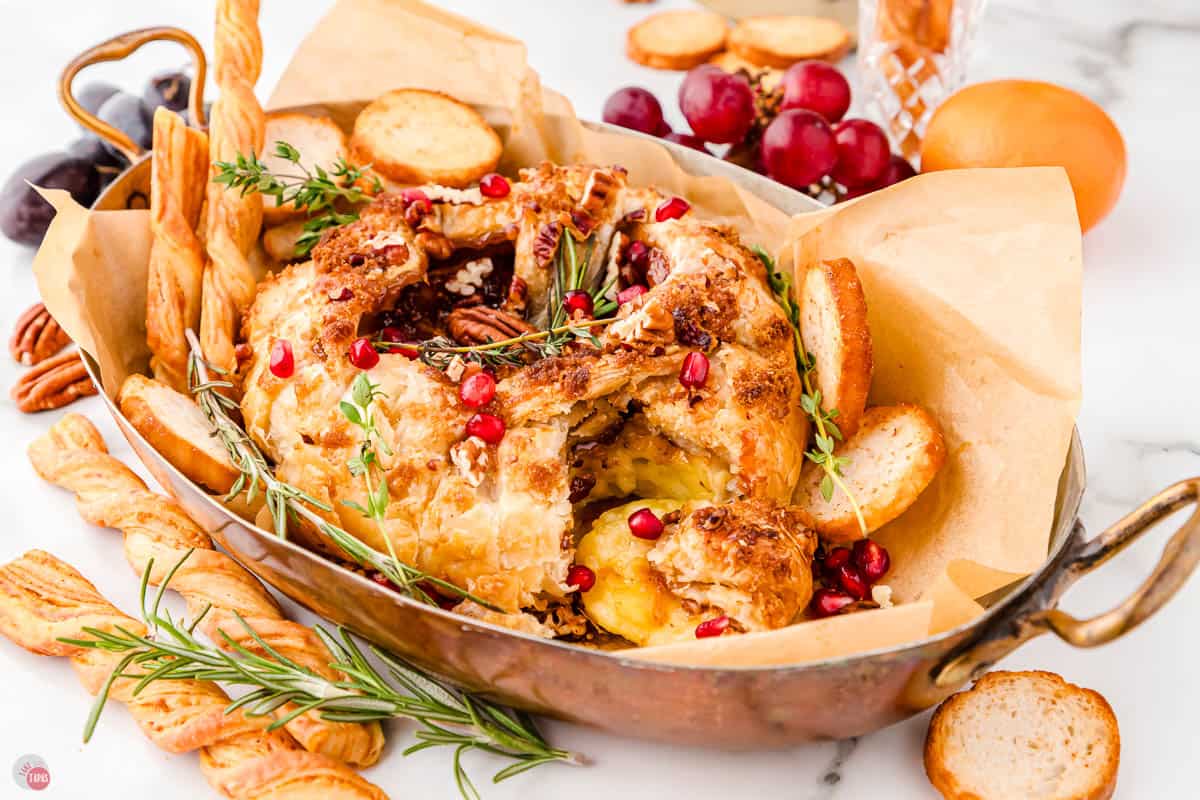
column 719, row 106
column 863, row 153
column 636, row 108
column 816, row 86
column 688, row 140
column 799, row 148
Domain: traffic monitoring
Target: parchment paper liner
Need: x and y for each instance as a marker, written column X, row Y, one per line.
column 972, row 279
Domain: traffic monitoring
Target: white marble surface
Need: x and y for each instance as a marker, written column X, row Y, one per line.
column 1140, row 59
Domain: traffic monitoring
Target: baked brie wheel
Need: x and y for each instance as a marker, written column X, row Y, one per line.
column 598, row 418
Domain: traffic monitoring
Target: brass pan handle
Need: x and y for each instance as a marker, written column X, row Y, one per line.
column 1036, row 610
column 115, row 49
column 1179, row 558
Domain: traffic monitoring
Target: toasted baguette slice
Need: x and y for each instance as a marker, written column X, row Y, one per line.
column 676, row 39
column 416, row 136
column 320, row 142
column 892, row 458
column 1026, row 735
column 833, row 327
column 176, row 427
column 780, row 41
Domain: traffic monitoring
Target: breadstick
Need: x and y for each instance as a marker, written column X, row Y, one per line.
column 178, row 178
column 232, row 220
column 43, row 599
column 73, row 455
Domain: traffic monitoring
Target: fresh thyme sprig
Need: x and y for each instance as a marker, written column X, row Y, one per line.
column 440, row 351
column 826, row 433
column 285, row 501
column 445, row 715
column 316, row 191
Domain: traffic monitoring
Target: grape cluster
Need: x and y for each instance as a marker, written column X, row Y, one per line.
column 87, row 165
column 795, row 133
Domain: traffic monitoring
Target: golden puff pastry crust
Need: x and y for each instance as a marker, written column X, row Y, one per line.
column 499, row 519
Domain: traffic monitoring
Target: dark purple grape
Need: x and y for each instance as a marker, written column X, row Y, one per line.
column 24, row 216
column 93, row 95
column 129, row 115
column 636, row 108
column 91, row 149
column 168, row 89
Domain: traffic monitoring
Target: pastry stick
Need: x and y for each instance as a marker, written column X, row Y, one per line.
column 233, row 219
column 73, row 455
column 178, row 178
column 43, row 600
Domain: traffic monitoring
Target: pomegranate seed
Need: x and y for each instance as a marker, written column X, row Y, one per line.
column 630, row 293
column 382, row 580
column 341, row 295
column 478, row 390
column 872, row 559
column 827, row 602
column 674, row 208
column 411, row 196
column 282, row 362
column 694, row 370
column 493, row 185
column 712, row 627
column 581, row 577
column 852, row 581
column 578, row 300
column 837, row 557
column 637, row 254
column 410, row 353
column 362, row 353
column 488, row 427
column 644, row 524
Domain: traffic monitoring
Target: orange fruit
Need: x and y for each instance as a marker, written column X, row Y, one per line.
column 1016, row 123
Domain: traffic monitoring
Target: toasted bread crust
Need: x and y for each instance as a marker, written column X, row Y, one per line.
column 780, row 41
column 171, row 423
column 319, row 140
column 942, row 776
column 419, row 136
column 834, row 329
column 880, row 497
column 676, row 39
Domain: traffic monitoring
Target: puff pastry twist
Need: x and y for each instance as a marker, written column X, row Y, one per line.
column 179, row 175
column 233, row 219
column 72, row 454
column 43, row 599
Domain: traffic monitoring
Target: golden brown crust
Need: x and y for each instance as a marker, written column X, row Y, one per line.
column 176, row 428
column 73, row 455
column 43, row 600
column 835, row 332
column 676, row 39
column 178, row 178
column 946, row 720
column 893, row 457
column 419, row 136
column 780, row 41
column 232, row 219
column 750, row 559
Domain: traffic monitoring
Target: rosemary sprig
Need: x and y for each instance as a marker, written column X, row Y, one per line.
column 440, row 351
column 316, row 191
column 445, row 715
column 285, row 501
column 826, row 433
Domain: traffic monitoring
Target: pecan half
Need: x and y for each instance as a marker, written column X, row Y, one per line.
column 54, row 383
column 435, row 245
column 518, row 294
column 37, row 336
column 545, row 244
column 481, row 324
column 658, row 267
column 598, row 192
